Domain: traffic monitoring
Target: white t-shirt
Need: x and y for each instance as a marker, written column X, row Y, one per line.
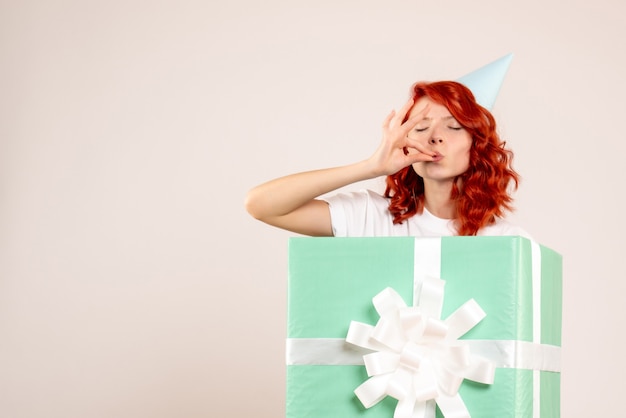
column 365, row 214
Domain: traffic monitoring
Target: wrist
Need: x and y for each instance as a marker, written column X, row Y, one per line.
column 371, row 169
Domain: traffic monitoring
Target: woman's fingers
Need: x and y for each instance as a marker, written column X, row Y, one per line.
column 418, row 146
column 388, row 119
column 397, row 150
column 399, row 116
column 412, row 147
column 416, row 118
column 406, row 108
column 418, row 154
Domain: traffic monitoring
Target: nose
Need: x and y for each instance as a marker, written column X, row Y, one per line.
column 433, row 140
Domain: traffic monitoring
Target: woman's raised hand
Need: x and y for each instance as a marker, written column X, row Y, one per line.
column 396, row 149
column 291, row 202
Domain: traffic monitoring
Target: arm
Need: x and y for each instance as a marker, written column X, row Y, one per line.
column 291, row 202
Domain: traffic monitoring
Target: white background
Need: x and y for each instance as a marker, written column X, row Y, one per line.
column 133, row 283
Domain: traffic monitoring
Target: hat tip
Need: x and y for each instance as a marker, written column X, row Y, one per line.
column 486, row 81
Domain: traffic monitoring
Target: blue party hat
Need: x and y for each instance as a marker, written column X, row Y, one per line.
column 485, row 82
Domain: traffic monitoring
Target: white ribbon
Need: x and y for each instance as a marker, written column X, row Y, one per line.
column 505, row 354
column 417, row 357
column 536, row 289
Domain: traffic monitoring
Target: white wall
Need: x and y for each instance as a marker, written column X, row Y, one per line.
column 132, row 282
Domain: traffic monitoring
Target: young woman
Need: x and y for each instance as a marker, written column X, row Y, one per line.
column 448, row 173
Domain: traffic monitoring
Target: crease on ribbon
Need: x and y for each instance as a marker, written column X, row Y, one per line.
column 417, row 357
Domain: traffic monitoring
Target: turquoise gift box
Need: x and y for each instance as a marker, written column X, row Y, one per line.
column 517, row 283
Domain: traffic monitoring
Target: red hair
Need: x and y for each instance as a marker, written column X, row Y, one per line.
column 481, row 193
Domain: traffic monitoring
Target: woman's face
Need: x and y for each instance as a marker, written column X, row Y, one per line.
column 440, row 133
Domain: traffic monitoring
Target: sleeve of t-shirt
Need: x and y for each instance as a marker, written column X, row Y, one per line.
column 348, row 212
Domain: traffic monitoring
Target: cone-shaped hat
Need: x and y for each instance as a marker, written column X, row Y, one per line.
column 485, row 82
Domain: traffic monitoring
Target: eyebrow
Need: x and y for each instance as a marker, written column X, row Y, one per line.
column 444, row 118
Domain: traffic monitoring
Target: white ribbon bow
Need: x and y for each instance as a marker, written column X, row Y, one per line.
column 417, row 357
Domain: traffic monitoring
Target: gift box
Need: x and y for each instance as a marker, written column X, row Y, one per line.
column 333, row 285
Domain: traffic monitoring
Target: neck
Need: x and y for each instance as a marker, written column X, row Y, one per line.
column 437, row 200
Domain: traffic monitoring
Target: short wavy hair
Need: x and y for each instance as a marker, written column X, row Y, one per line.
column 482, row 192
